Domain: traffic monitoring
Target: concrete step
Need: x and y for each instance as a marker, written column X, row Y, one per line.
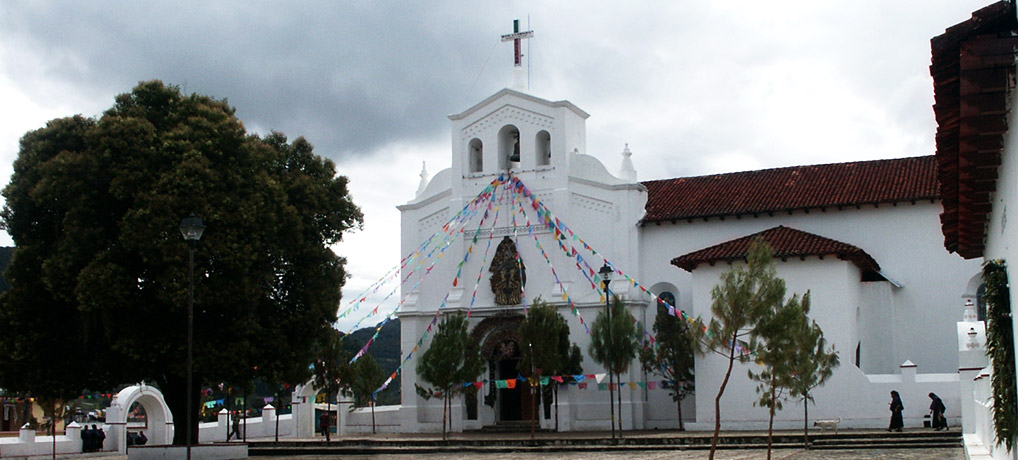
column 496, row 442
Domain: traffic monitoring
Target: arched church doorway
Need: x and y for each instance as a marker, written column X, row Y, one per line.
column 511, row 399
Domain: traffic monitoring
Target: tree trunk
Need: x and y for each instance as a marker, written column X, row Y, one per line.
column 805, row 420
column 174, row 392
column 243, row 434
column 556, row 408
column 279, row 400
column 619, row 395
column 611, row 403
column 678, row 404
column 770, row 423
column 717, row 399
column 445, row 408
column 328, row 415
column 372, row 417
column 53, row 428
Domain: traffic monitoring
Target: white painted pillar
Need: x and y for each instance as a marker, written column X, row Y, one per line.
column 222, row 426
column 73, row 432
column 971, row 362
column 268, row 420
column 26, row 434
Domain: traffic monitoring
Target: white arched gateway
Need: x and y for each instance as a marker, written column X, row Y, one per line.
column 159, row 428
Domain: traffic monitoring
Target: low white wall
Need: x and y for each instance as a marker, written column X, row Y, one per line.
column 858, row 399
column 387, row 420
column 254, row 427
column 28, row 443
column 981, row 445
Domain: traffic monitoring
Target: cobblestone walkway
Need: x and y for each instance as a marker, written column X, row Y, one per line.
column 779, row 454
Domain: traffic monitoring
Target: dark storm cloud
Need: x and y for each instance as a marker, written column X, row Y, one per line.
column 350, row 76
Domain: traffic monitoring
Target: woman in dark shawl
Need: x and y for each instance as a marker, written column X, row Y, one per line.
column 896, row 409
column 937, row 408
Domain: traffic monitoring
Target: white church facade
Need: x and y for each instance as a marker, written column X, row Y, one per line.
column 862, row 237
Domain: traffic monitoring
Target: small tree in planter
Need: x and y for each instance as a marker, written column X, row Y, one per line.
column 452, row 358
column 672, row 355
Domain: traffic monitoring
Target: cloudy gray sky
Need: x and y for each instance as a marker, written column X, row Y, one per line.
column 693, row 87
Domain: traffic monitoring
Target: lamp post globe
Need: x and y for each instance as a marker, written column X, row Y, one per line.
column 191, row 229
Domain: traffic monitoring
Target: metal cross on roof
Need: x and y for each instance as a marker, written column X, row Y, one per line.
column 516, row 36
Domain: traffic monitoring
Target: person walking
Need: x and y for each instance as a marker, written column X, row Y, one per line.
column 323, row 420
column 896, row 409
column 937, row 410
column 236, row 428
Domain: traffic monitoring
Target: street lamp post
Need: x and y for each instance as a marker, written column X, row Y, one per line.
column 606, row 278
column 191, row 228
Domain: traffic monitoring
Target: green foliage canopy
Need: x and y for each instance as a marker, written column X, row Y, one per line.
column 545, row 337
column 367, row 377
column 672, row 356
column 100, row 278
column 1000, row 349
column 745, row 294
column 613, row 343
column 453, row 356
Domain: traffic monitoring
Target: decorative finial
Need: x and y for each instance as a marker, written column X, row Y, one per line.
column 970, row 312
column 973, row 339
column 424, row 180
column 627, row 172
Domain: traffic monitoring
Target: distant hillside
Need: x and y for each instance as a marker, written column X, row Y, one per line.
column 385, row 350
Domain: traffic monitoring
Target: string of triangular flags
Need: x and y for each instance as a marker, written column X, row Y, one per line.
column 545, row 217
column 530, row 230
column 487, row 192
column 438, row 312
column 560, row 229
column 594, row 278
column 448, row 232
column 581, row 381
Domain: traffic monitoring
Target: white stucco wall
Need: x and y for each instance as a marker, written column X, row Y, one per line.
column 1000, row 234
column 580, row 192
column 859, row 399
column 893, row 324
column 906, row 242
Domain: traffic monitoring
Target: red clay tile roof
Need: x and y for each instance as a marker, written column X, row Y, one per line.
column 786, row 242
column 972, row 66
column 798, row 187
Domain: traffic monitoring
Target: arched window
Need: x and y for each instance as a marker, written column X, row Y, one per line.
column 543, row 148
column 508, row 147
column 475, row 155
column 665, row 297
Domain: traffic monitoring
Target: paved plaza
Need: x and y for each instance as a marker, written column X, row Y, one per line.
column 739, row 454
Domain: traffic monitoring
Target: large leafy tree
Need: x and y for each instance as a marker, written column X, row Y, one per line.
column 613, row 344
column 452, row 358
column 745, row 294
column 672, row 355
column 100, row 279
column 546, row 349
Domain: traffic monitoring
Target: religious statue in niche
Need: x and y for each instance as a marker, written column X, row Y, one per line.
column 508, row 274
